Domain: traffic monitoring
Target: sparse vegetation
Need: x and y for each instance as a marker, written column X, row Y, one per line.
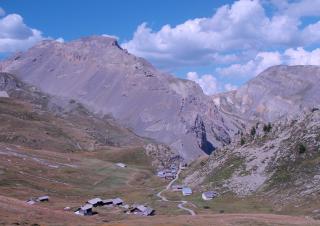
column 267, row 128
column 281, row 176
column 242, row 141
column 253, row 131
column 226, row 170
column 302, row 148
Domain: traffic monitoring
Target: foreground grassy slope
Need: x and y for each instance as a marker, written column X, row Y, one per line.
column 70, row 179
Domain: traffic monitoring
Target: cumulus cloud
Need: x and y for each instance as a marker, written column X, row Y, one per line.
column 241, row 27
column 299, row 56
column 61, row 40
column 230, row 87
column 263, row 60
column 207, row 82
column 15, row 35
column 302, row 8
column 253, row 67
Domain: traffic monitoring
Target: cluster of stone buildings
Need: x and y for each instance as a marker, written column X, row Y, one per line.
column 168, row 173
column 87, row 208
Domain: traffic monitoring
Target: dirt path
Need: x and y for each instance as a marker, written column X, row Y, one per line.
column 182, row 202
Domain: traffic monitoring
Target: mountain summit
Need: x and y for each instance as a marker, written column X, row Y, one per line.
column 278, row 92
column 108, row 80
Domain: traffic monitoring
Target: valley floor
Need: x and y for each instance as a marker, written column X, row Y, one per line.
column 15, row 212
column 71, row 178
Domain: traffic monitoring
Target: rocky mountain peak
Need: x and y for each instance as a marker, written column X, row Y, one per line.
column 109, row 81
column 280, row 91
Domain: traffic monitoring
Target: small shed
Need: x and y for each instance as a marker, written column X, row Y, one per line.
column 117, row 201
column 169, row 176
column 125, row 206
column 44, row 198
column 174, row 171
column 161, row 174
column 95, row 202
column 85, row 210
column 142, row 210
column 177, row 187
column 208, row 195
column 122, row 165
column 183, row 165
column 107, row 202
column 186, row 191
column 173, row 166
column 31, row 202
column 4, row 94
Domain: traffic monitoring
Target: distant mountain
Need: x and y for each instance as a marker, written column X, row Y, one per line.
column 108, row 80
column 278, row 92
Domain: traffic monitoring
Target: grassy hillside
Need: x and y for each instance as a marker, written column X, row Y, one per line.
column 272, row 170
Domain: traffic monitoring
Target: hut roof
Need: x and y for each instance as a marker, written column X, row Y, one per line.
column 86, row 207
column 94, row 201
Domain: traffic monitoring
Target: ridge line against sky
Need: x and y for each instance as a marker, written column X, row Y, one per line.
column 219, row 50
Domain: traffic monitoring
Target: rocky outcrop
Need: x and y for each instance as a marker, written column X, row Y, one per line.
column 8, row 82
column 200, row 132
column 110, row 81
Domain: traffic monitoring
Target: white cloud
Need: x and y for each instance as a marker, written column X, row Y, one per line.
column 311, row 33
column 280, row 4
column 15, row 35
column 239, row 28
column 262, row 61
column 2, row 12
column 230, row 87
column 61, row 40
column 303, row 8
column 207, row 82
column 300, row 56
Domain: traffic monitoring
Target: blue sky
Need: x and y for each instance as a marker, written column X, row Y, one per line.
column 218, row 44
column 72, row 19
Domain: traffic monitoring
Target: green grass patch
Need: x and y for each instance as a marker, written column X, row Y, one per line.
column 224, row 172
column 229, row 203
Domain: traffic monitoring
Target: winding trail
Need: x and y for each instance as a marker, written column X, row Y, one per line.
column 182, row 202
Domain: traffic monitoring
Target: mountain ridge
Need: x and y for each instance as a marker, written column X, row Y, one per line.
column 106, row 78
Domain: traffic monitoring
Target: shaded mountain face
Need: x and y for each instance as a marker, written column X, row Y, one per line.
column 280, row 91
column 110, row 81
